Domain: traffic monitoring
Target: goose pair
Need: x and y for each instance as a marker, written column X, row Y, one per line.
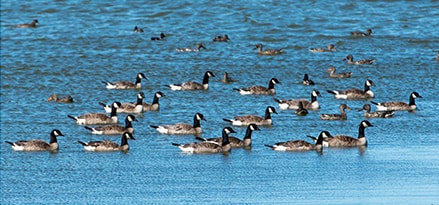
column 207, row 146
column 355, row 93
column 191, row 85
column 350, row 60
column 107, row 145
column 55, row 98
column 332, row 73
column 114, row 129
column 38, row 145
column 259, row 90
column 33, row 24
column 268, row 51
column 196, row 49
column 397, row 105
column 127, row 107
column 235, row 142
column 224, row 38
column 331, row 47
column 341, row 116
column 120, row 85
column 98, row 118
column 298, row 145
column 182, row 128
column 255, row 119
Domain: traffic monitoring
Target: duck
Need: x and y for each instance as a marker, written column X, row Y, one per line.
column 354, row 93
column 301, row 111
column 224, row 38
column 348, row 141
column 227, row 79
column 98, row 118
column 331, row 47
column 359, row 33
column 127, row 107
column 196, row 49
column 235, row 142
column 33, row 24
column 351, row 61
column 125, row 84
column 154, row 106
column 255, row 119
column 332, row 73
column 298, row 145
column 259, row 90
column 191, row 85
column 162, row 36
column 376, row 114
column 294, row 104
column 55, row 98
column 38, row 145
column 307, row 81
column 268, row 51
column 209, row 147
column 114, row 129
column 182, row 128
column 137, row 30
column 341, row 116
column 398, row 105
column 107, row 145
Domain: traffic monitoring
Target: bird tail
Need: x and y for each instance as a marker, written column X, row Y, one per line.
column 154, row 126
column 88, row 128
column 175, row 144
column 73, row 117
column 83, row 143
column 271, row 146
column 277, row 100
column 11, row 143
column 332, row 92
column 375, row 103
column 227, row 120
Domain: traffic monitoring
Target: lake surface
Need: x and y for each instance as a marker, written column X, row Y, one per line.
column 80, row 43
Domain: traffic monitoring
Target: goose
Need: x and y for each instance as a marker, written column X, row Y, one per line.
column 182, row 128
column 341, row 116
column 354, row 93
column 198, row 48
column 55, row 98
column 332, row 73
column 376, row 114
column 397, row 105
column 37, row 145
column 301, row 111
column 331, row 47
column 348, row 141
column 98, row 118
column 107, row 145
column 249, row 119
column 307, row 81
column 294, row 104
column 224, row 38
column 114, row 129
column 162, row 36
column 234, row 141
column 326, row 135
column 298, row 145
column 351, row 61
column 127, row 107
column 268, row 51
column 154, row 106
column 359, row 33
column 209, row 147
column 125, row 84
column 137, row 30
column 259, row 90
column 191, row 85
column 33, row 24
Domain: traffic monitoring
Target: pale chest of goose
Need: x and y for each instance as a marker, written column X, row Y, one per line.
column 398, row 105
column 259, row 90
column 355, row 93
column 341, row 116
column 98, row 118
column 209, row 147
column 126, row 84
column 107, row 145
column 182, row 128
column 38, row 145
column 348, row 141
column 253, row 119
column 298, row 145
column 127, row 107
column 294, row 104
column 234, row 141
column 114, row 129
column 192, row 85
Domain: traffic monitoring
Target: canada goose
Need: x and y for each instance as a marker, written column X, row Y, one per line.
column 268, row 51
column 154, row 106
column 298, row 145
column 332, row 74
column 162, row 36
column 359, row 33
column 191, row 85
column 341, row 116
column 397, row 105
column 127, row 107
column 354, row 93
column 33, row 24
column 376, row 114
column 198, row 48
column 301, row 111
column 350, row 60
column 234, row 141
column 224, row 38
column 66, row 99
column 37, row 145
column 107, row 145
column 259, row 90
column 348, row 141
column 209, row 147
column 326, row 135
column 138, row 30
column 294, row 104
column 126, row 84
column 331, row 47
column 248, row 119
column 307, row 81
column 182, row 128
column 98, row 118
column 114, row 129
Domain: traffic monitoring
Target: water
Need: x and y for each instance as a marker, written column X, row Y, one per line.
column 79, row 44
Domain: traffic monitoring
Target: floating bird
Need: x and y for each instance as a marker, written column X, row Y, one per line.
column 127, row 107
column 307, row 81
column 107, row 145
column 66, row 99
column 332, row 74
column 298, row 145
column 37, row 145
column 198, row 48
column 351, row 61
column 255, row 119
column 191, row 85
column 348, row 141
column 33, row 24
column 126, row 84
column 331, row 47
column 359, row 33
column 114, row 129
column 294, row 104
column 376, row 114
column 182, row 128
column 224, row 38
column 341, row 116
column 154, row 106
column 162, row 36
column 259, row 90
column 354, row 93
column 268, row 51
column 397, row 105
column 234, row 141
column 138, row 30
column 98, row 118
column 209, row 147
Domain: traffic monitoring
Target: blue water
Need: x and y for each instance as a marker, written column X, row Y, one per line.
column 80, row 43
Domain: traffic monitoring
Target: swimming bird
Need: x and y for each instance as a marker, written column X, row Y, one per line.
column 154, row 106
column 259, row 90
column 227, row 79
column 341, row 116
column 224, row 38
column 354, row 93
column 268, row 51
column 66, row 99
column 198, row 48
column 249, row 119
column 376, row 114
column 359, row 33
column 182, row 128
column 114, row 129
column 98, row 118
column 33, row 24
column 307, row 81
column 107, row 145
column 234, row 141
column 138, row 30
column 191, row 85
column 397, row 105
column 37, row 145
column 162, row 36
column 351, row 61
column 209, row 147
column 348, row 141
column 126, row 84
column 301, row 111
column 127, row 107
column 298, row 145
column 332, row 74
column 294, row 104
column 331, row 47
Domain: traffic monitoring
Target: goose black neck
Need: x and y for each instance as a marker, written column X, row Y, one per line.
column 313, row 98
column 138, row 80
column 361, row 129
column 128, row 124
column 271, row 85
column 366, row 87
column 53, row 138
column 196, row 122
column 225, row 137
column 248, row 133
column 267, row 114
column 124, row 141
column 155, row 100
column 139, row 100
column 206, row 78
column 412, row 100
column 113, row 111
